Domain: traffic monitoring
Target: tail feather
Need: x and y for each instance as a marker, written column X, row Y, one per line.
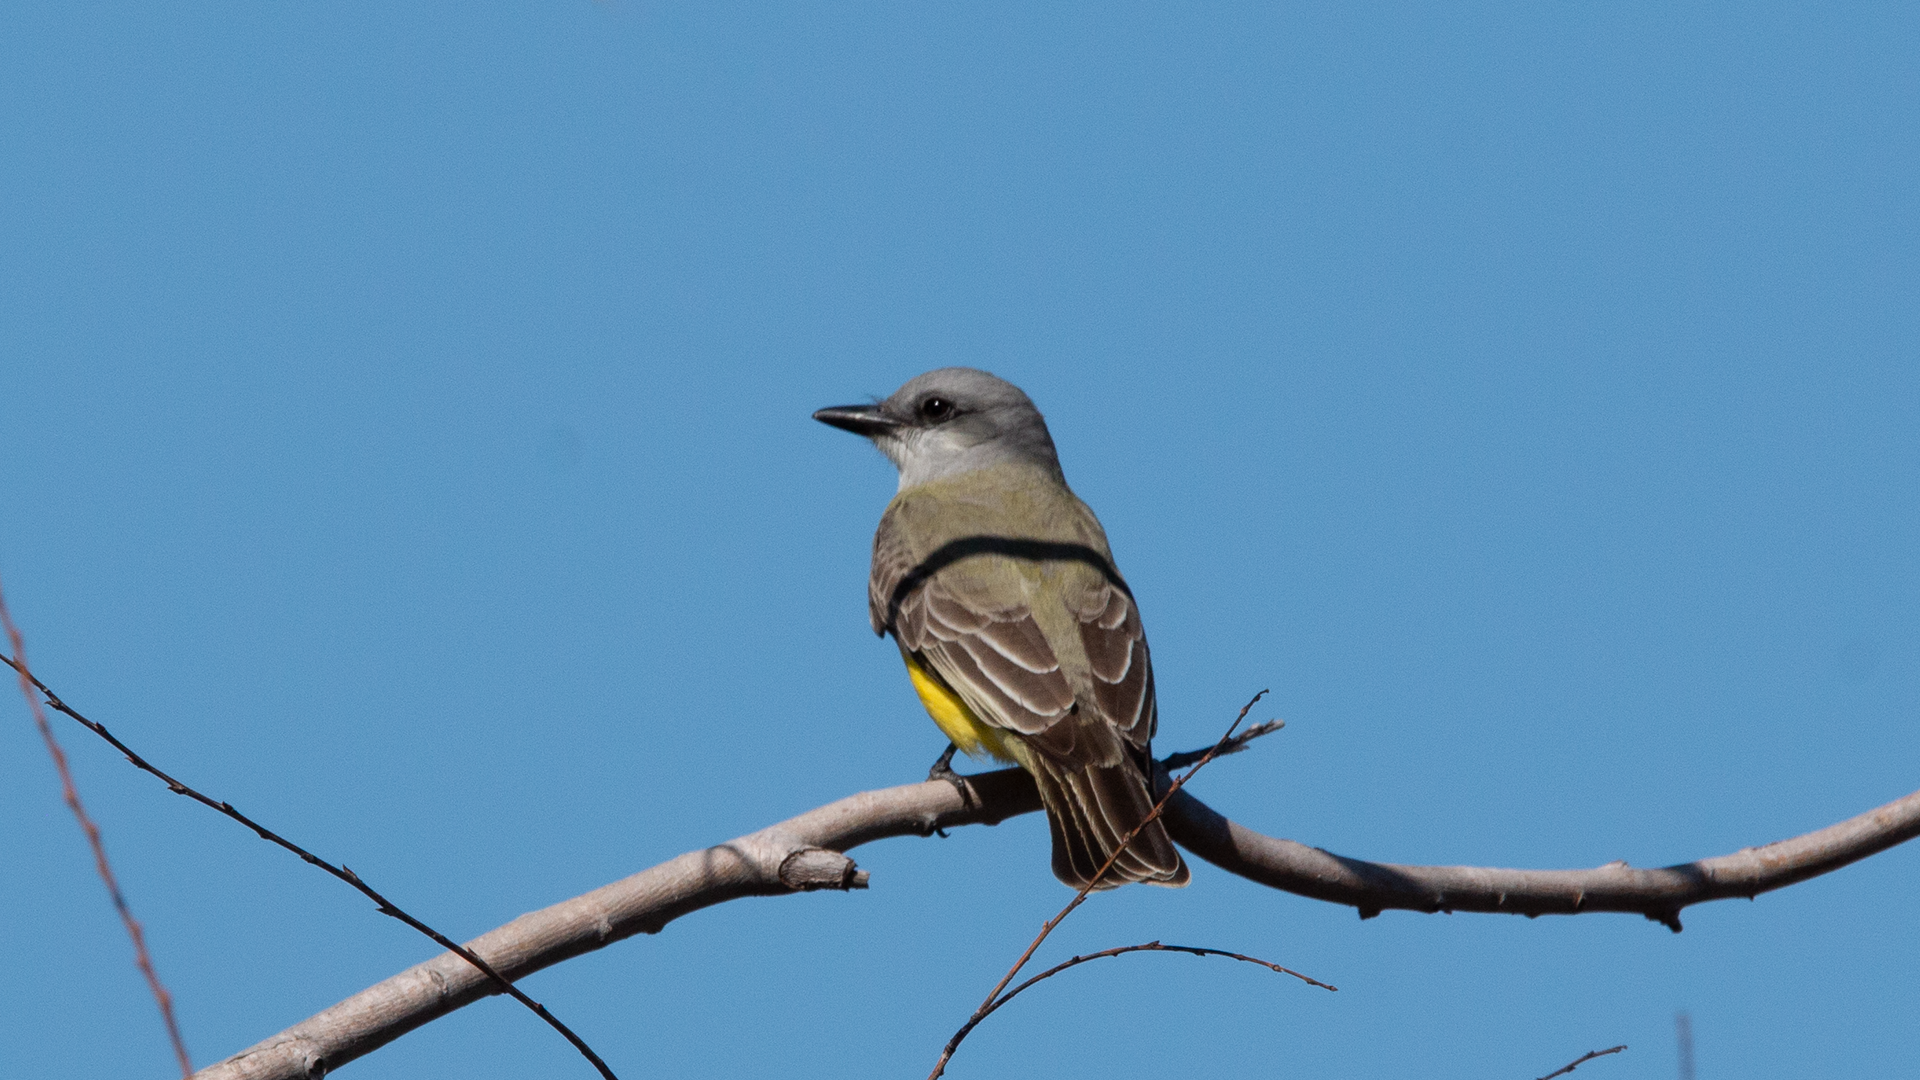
column 1120, row 801
column 1090, row 810
column 1096, row 804
column 1075, row 858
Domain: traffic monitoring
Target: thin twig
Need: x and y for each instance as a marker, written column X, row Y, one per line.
column 1080, row 897
column 72, row 796
column 1151, row 946
column 1239, row 742
column 1582, row 1060
column 386, row 907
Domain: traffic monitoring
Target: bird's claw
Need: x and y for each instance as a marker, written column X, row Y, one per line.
column 943, row 770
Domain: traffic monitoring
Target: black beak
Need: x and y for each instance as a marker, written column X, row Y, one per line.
column 865, row 420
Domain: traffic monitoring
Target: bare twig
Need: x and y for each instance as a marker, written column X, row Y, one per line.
column 987, row 1006
column 1233, row 746
column 1582, row 1060
column 72, row 796
column 28, row 683
column 1151, row 946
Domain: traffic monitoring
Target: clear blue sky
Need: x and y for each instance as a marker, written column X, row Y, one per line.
column 406, row 438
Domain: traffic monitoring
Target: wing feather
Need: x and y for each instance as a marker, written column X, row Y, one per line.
column 1087, row 735
column 991, row 649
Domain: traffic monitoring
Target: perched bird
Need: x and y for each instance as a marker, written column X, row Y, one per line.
column 1021, row 638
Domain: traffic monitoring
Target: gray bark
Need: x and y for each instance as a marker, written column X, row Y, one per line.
column 804, row 853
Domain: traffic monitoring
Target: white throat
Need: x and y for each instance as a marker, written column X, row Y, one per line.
column 923, row 456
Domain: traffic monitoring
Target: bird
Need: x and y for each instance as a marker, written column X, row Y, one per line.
column 1020, row 637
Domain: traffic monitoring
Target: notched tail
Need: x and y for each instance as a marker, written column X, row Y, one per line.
column 1090, row 810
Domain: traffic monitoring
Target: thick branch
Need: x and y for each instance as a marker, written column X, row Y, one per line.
column 801, row 854
column 1657, row 894
column 798, row 855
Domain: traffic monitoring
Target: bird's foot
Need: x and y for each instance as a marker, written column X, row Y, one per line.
column 943, row 770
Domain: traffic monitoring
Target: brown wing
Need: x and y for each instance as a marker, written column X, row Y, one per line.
column 1089, row 752
column 993, row 655
column 1117, row 659
column 989, row 648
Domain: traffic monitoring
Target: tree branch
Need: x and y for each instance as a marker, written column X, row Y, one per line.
column 802, row 854
column 798, row 855
column 1582, row 1060
column 1657, row 894
column 1233, row 744
column 993, row 1004
column 29, row 682
column 1170, row 789
column 71, row 795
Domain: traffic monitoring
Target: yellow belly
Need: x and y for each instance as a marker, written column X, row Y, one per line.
column 968, row 732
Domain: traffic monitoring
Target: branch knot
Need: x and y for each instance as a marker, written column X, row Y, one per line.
column 812, row 868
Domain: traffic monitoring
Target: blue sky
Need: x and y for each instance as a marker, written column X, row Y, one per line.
column 406, row 439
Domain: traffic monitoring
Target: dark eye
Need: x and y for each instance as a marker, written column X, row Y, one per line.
column 936, row 408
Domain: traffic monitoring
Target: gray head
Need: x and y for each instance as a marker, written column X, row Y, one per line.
column 951, row 421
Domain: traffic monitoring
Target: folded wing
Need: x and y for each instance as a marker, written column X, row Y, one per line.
column 1088, row 751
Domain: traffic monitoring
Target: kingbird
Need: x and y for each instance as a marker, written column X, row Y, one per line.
column 1021, row 638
